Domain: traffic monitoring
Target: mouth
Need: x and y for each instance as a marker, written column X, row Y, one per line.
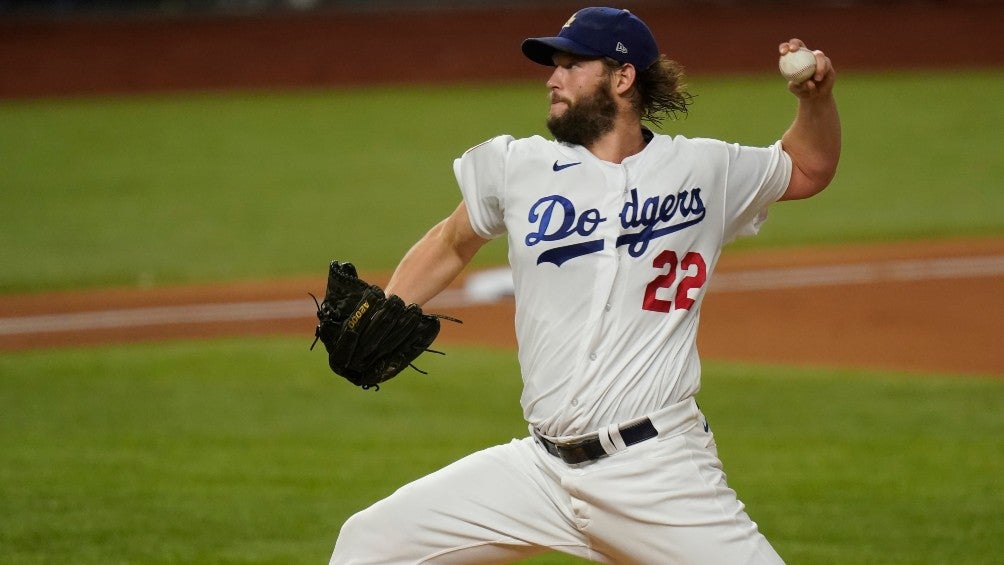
column 558, row 105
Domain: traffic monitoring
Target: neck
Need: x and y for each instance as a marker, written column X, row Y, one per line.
column 623, row 141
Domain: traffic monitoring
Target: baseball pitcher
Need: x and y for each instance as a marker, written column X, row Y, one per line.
column 614, row 233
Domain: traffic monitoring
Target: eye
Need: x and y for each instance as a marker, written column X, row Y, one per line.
column 566, row 62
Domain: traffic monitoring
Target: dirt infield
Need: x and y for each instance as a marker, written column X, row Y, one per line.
column 929, row 307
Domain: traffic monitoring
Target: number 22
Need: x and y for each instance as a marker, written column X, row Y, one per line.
column 665, row 280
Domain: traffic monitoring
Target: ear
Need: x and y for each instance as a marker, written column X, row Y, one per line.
column 624, row 78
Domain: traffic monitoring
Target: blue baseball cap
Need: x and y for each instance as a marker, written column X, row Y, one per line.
column 598, row 32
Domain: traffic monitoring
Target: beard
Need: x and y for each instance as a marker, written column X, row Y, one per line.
column 585, row 121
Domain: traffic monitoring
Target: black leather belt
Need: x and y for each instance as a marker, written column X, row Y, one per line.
column 590, row 449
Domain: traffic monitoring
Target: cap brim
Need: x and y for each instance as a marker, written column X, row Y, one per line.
column 541, row 49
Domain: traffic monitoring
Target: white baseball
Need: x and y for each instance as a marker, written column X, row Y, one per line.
column 798, row 66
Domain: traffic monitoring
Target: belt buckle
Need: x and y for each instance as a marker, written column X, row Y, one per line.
column 588, row 449
column 574, row 452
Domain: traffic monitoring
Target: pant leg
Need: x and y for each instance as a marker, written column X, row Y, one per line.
column 667, row 501
column 494, row 506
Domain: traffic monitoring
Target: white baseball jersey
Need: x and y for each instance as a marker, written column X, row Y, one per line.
column 611, row 262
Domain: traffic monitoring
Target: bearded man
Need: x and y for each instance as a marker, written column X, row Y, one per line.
column 614, row 232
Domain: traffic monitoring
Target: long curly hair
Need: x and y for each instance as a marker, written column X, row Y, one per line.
column 659, row 91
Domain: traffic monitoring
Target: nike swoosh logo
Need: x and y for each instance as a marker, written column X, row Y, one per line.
column 556, row 167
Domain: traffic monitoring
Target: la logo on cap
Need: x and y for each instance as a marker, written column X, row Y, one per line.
column 594, row 33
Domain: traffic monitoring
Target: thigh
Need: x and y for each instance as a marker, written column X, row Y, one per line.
column 668, row 502
column 494, row 506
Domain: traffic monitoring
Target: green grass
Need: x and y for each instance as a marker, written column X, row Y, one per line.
column 241, row 451
column 182, row 188
column 248, row 450
column 226, row 452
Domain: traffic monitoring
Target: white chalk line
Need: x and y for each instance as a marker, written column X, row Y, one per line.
column 257, row 311
column 861, row 273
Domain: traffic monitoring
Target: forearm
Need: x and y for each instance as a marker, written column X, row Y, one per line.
column 435, row 260
column 813, row 142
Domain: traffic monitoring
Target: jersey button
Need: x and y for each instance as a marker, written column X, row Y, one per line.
column 607, row 307
column 592, row 356
column 575, row 402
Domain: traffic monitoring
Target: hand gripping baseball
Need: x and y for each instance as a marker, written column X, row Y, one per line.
column 810, row 73
column 370, row 337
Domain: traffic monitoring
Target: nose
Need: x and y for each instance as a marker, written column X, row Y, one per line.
column 554, row 81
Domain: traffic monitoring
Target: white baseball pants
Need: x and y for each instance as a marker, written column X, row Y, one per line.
column 662, row 501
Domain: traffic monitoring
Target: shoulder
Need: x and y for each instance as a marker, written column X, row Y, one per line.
column 508, row 143
column 680, row 141
column 665, row 142
column 511, row 150
column 681, row 147
column 714, row 147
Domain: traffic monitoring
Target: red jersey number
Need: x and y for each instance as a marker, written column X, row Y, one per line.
column 694, row 273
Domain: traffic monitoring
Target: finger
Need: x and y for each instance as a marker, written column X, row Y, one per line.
column 793, row 44
column 823, row 66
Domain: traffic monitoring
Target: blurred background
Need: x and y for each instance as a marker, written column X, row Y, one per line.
column 261, row 6
column 60, row 47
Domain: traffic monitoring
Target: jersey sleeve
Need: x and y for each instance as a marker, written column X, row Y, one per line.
column 481, row 172
column 757, row 177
